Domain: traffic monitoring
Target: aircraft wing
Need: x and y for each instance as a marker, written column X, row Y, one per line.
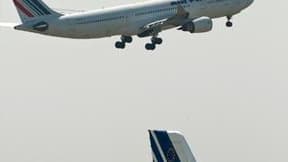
column 155, row 27
column 181, row 15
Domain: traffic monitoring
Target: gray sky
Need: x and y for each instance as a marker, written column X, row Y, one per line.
column 67, row 100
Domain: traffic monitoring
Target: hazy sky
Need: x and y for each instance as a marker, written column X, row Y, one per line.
column 65, row 100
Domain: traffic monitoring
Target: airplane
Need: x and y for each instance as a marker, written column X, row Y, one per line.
column 170, row 146
column 142, row 19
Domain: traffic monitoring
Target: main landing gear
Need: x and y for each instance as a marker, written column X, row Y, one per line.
column 154, row 41
column 128, row 39
column 124, row 39
column 229, row 23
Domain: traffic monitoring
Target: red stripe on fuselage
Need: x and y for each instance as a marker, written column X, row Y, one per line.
column 23, row 9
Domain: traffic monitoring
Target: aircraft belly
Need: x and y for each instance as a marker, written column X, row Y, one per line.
column 92, row 30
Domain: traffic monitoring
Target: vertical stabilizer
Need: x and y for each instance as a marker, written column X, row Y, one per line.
column 30, row 9
column 169, row 146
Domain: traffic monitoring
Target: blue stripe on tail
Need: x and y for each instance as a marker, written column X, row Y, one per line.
column 41, row 7
column 33, row 7
column 155, row 149
column 167, row 146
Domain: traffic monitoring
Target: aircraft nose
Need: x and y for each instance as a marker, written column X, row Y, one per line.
column 250, row 2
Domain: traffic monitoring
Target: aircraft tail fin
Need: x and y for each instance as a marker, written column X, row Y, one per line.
column 30, row 9
column 169, row 146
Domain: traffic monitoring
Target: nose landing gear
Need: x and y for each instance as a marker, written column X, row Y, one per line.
column 229, row 22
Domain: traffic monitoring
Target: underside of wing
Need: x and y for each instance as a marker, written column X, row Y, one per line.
column 157, row 26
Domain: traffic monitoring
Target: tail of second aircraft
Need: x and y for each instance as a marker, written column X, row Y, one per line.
column 31, row 9
column 168, row 146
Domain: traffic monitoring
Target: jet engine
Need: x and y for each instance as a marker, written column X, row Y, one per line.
column 199, row 25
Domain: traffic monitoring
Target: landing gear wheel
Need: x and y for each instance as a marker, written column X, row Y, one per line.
column 157, row 41
column 229, row 24
column 150, row 46
column 120, row 45
column 127, row 39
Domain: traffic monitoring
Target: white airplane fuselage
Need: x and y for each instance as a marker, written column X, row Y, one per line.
column 129, row 19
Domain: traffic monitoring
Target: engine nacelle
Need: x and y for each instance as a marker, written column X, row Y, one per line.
column 199, row 25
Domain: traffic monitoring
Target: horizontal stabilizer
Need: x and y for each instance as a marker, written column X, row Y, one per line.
column 8, row 25
column 67, row 11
